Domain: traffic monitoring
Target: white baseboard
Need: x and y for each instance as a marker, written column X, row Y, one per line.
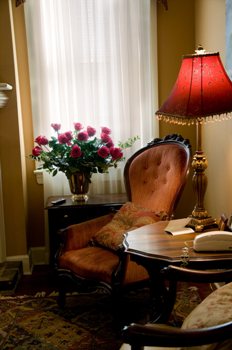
column 35, row 256
column 39, row 255
column 26, row 261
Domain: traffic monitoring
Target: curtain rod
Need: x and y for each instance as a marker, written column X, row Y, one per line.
column 164, row 2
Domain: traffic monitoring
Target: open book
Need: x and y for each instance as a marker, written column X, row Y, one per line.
column 178, row 227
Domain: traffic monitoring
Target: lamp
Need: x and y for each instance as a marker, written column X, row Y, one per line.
column 202, row 93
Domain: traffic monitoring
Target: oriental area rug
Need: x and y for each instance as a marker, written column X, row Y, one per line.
column 86, row 323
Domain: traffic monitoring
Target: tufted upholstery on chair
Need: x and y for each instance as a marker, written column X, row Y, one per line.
column 92, row 252
column 153, row 172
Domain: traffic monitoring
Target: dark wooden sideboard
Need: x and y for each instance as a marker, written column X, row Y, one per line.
column 68, row 213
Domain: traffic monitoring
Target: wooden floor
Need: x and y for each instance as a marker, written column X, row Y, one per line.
column 41, row 280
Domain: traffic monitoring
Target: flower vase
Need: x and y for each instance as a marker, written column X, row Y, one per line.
column 79, row 186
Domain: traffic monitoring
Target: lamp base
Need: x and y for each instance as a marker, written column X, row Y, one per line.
column 202, row 224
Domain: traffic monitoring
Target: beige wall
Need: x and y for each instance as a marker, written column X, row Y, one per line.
column 217, row 137
column 10, row 146
column 22, row 199
column 176, row 37
column 180, row 29
column 33, row 192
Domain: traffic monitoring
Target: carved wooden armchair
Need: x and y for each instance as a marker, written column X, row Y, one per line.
column 207, row 327
column 92, row 251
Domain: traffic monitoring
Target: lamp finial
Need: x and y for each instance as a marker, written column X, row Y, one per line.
column 200, row 50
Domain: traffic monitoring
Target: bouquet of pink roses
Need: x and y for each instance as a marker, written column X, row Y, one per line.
column 79, row 150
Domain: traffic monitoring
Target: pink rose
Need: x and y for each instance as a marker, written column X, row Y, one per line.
column 83, row 136
column 105, row 138
column 103, row 152
column 78, row 126
column 56, row 126
column 110, row 144
column 105, row 130
column 62, row 138
column 68, row 134
column 36, row 151
column 41, row 140
column 116, row 153
column 75, row 151
column 91, row 131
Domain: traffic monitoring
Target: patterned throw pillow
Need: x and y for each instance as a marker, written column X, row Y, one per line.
column 129, row 217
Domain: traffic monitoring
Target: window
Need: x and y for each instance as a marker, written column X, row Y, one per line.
column 90, row 62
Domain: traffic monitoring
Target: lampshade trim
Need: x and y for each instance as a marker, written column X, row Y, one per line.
column 201, row 54
column 202, row 91
column 175, row 119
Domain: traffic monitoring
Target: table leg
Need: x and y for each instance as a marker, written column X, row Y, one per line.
column 163, row 294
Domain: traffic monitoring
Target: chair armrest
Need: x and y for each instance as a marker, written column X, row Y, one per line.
column 78, row 235
column 162, row 335
column 176, row 273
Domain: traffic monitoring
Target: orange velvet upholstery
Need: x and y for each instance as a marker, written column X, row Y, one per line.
column 91, row 262
column 154, row 179
column 155, row 172
column 78, row 236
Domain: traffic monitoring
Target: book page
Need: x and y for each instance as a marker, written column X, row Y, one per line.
column 177, row 227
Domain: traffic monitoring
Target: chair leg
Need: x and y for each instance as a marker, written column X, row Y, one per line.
column 116, row 308
column 61, row 298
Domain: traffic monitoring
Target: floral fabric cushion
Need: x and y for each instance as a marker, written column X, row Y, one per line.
column 213, row 310
column 129, row 217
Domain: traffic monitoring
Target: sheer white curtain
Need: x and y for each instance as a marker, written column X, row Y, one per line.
column 90, row 62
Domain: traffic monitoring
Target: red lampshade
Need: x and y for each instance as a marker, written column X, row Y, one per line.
column 202, row 92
